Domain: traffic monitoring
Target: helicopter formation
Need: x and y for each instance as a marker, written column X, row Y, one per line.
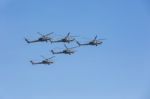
column 66, row 40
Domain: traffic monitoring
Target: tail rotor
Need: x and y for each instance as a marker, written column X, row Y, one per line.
column 32, row 62
column 79, row 44
column 52, row 51
column 27, row 40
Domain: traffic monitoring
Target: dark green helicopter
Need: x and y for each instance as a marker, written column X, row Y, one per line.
column 67, row 39
column 43, row 38
column 46, row 61
column 94, row 42
column 67, row 50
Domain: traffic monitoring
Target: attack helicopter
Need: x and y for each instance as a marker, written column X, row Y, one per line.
column 93, row 42
column 67, row 50
column 43, row 38
column 67, row 39
column 46, row 61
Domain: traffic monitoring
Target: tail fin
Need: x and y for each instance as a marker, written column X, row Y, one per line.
column 32, row 62
column 52, row 52
column 78, row 43
column 27, row 40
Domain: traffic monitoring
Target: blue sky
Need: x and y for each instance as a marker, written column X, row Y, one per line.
column 118, row 69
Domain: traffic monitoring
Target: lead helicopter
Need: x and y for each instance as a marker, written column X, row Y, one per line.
column 94, row 42
column 43, row 38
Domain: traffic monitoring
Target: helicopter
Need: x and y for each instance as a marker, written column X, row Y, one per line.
column 46, row 61
column 66, row 39
column 43, row 38
column 68, row 51
column 93, row 42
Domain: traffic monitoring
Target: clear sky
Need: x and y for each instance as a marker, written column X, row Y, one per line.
column 118, row 69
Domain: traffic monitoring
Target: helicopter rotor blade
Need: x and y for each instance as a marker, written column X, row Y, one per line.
column 95, row 37
column 101, row 39
column 51, row 57
column 68, row 35
column 43, row 57
column 74, row 36
column 40, row 33
column 49, row 34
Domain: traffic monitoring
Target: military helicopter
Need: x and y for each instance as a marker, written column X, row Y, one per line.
column 46, row 61
column 93, row 42
column 66, row 39
column 43, row 38
column 68, row 51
